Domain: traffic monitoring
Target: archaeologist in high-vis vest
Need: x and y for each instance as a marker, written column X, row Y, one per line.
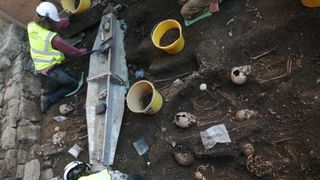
column 77, row 170
column 47, row 51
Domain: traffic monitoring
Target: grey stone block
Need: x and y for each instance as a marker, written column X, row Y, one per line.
column 22, row 156
column 17, row 66
column 11, row 47
column 46, row 174
column 16, row 78
column 16, row 31
column 31, row 85
column 9, row 121
column 8, row 168
column 8, row 138
column 28, row 133
column 29, row 110
column 5, row 63
column 2, row 76
column 1, row 97
column 20, row 171
column 14, row 91
column 32, row 170
column 11, row 154
column 24, row 122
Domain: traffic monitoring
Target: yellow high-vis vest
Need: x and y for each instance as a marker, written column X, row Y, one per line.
column 41, row 50
column 102, row 175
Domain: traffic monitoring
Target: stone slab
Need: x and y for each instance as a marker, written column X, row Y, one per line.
column 32, row 170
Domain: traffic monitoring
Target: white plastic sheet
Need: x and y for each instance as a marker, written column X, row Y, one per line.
column 213, row 135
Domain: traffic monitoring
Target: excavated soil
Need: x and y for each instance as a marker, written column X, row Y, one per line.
column 283, row 90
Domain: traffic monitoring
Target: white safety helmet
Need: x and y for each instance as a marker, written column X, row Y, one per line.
column 74, row 168
column 49, row 10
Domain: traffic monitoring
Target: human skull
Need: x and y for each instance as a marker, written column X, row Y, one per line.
column 184, row 119
column 239, row 74
column 245, row 114
column 65, row 109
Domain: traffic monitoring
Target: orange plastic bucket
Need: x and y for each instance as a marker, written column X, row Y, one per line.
column 161, row 29
column 311, row 3
column 70, row 6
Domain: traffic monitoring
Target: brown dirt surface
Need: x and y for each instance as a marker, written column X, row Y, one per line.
column 283, row 88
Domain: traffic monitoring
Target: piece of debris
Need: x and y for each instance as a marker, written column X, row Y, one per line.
column 247, row 149
column 230, row 34
column 177, row 82
column 213, row 135
column 258, row 166
column 139, row 74
column 184, row 119
column 60, row 118
column 239, row 74
column 101, row 108
column 65, row 109
column 245, row 114
column 57, row 138
column 184, row 159
column 75, row 150
column 203, row 87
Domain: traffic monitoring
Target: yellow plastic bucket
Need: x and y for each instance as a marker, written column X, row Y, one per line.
column 139, row 93
column 161, row 29
column 311, row 3
column 70, row 6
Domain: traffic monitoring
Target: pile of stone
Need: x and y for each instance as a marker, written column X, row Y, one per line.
column 19, row 107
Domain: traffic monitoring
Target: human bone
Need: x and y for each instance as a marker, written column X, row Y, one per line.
column 184, row 159
column 239, row 74
column 245, row 114
column 184, row 119
column 65, row 109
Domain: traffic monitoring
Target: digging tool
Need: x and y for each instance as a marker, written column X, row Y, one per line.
column 102, row 47
column 142, row 148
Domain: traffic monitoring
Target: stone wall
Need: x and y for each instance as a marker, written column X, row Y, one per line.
column 20, row 110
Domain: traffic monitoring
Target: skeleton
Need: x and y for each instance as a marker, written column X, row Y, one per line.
column 65, row 109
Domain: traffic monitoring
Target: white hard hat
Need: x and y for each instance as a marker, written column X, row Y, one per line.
column 49, row 10
column 73, row 168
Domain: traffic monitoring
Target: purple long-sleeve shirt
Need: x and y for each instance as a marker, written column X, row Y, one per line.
column 59, row 44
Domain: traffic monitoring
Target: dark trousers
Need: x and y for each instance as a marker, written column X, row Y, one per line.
column 65, row 82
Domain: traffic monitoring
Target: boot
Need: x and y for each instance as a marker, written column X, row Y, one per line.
column 44, row 104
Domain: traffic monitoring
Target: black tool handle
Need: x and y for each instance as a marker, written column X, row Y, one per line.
column 90, row 52
column 146, row 158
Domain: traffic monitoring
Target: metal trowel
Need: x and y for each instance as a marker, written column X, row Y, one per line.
column 142, row 148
